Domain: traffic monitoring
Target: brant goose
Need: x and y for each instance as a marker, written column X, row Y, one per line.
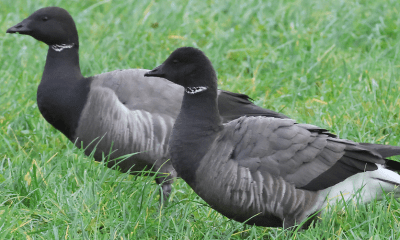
column 266, row 171
column 114, row 109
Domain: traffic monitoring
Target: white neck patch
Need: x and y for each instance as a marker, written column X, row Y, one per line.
column 194, row 90
column 60, row 47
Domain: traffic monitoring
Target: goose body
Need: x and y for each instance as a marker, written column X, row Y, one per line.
column 117, row 112
column 266, row 171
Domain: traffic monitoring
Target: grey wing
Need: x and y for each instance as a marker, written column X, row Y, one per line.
column 126, row 115
column 136, row 92
column 302, row 153
column 234, row 105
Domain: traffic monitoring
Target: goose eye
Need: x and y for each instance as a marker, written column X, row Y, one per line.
column 175, row 61
column 45, row 18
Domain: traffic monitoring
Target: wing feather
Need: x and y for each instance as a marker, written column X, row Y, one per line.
column 298, row 153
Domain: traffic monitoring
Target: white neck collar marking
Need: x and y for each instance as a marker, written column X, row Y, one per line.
column 60, row 47
column 194, row 90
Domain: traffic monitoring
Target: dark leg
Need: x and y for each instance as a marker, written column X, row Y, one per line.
column 165, row 189
column 165, row 178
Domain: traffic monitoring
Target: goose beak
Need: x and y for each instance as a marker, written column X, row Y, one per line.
column 21, row 28
column 156, row 72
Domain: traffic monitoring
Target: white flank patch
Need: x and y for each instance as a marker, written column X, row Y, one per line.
column 60, row 47
column 366, row 185
column 194, row 90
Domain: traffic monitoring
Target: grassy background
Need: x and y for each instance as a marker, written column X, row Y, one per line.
column 334, row 64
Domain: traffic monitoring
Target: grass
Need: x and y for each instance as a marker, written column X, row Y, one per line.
column 334, row 64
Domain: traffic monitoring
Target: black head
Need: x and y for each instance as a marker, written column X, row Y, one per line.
column 188, row 67
column 51, row 25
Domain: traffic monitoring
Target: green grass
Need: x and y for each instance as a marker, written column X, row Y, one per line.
column 334, row 64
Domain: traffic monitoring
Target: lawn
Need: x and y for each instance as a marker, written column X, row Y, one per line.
column 334, row 64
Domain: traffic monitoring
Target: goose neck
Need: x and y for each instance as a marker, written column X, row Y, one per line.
column 62, row 62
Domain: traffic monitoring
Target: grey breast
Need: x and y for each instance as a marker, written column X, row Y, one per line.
column 130, row 116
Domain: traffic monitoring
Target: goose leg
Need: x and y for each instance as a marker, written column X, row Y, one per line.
column 165, row 189
column 165, row 178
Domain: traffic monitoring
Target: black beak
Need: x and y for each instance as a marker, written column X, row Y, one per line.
column 21, row 28
column 156, row 72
